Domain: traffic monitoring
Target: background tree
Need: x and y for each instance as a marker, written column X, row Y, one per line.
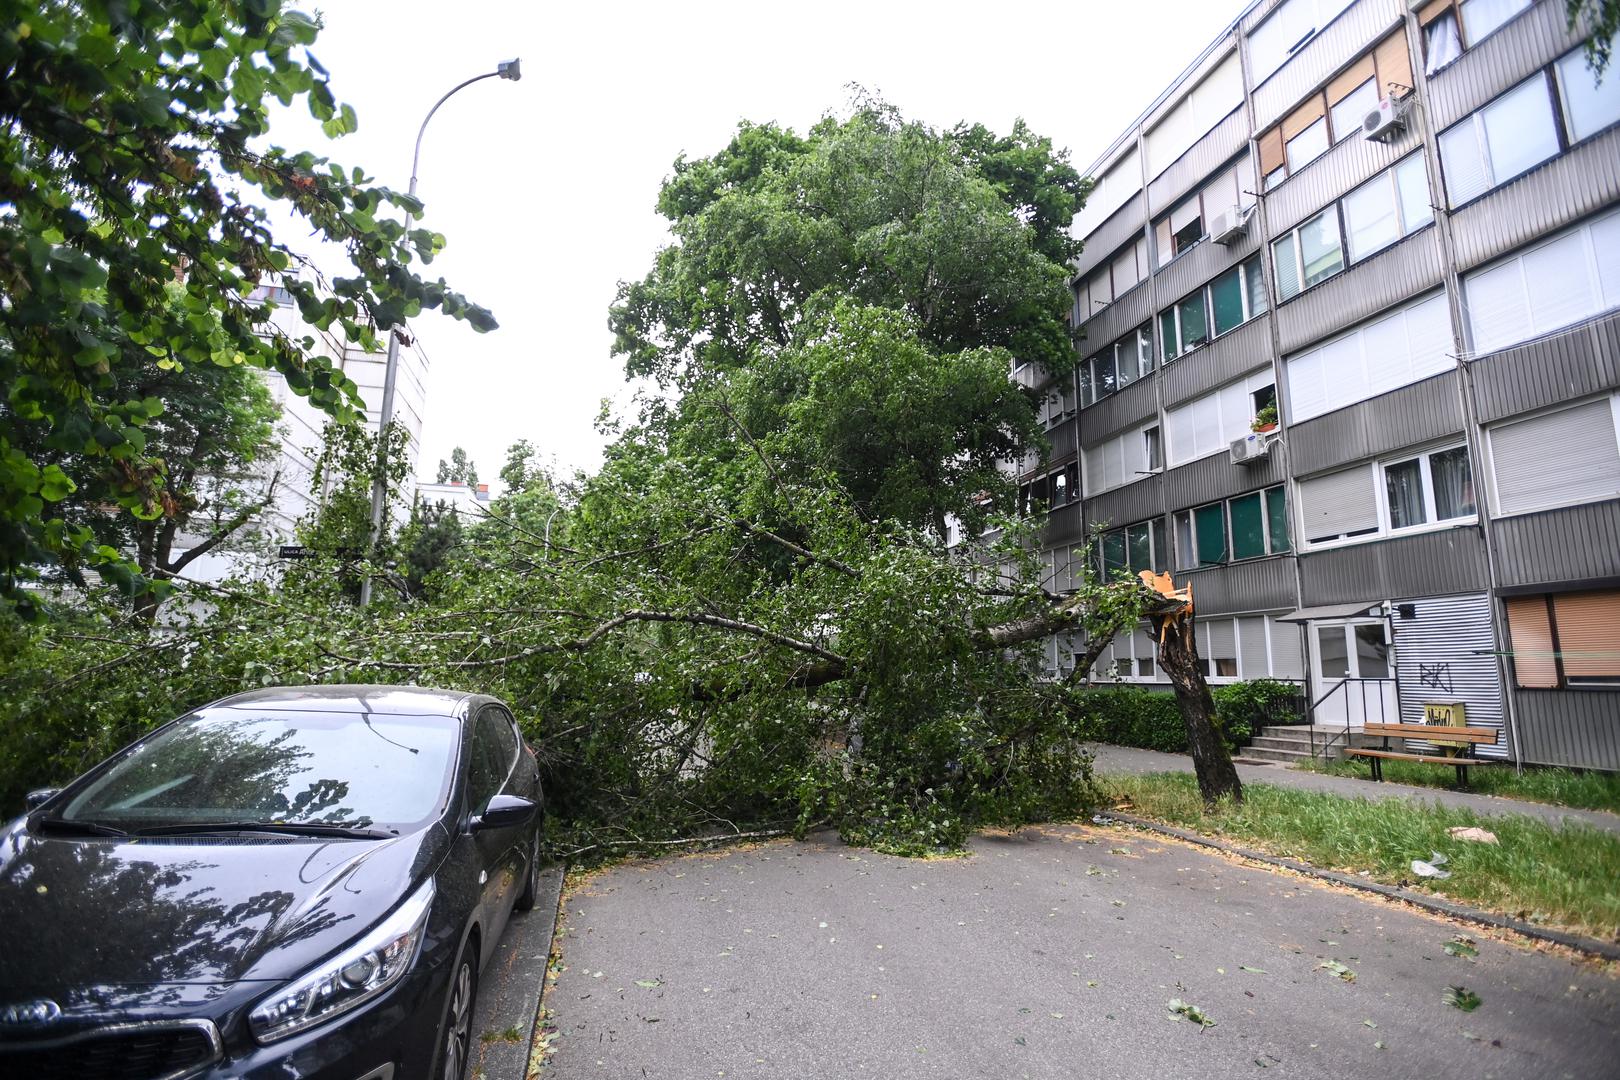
column 428, row 541
column 1600, row 19
column 458, row 470
column 133, row 155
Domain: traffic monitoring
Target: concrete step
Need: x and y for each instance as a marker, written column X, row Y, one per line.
column 1264, row 753
column 1279, row 742
column 1303, row 730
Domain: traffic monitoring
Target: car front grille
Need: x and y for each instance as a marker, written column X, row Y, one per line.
column 137, row 1051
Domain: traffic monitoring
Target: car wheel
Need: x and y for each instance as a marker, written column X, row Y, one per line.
column 458, row 1017
column 531, row 887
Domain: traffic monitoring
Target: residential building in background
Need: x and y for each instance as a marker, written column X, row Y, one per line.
column 1396, row 228
column 470, row 501
column 300, row 433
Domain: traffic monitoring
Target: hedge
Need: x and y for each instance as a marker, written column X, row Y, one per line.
column 1136, row 716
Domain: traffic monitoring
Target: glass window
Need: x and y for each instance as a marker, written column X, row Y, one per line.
column 1113, row 552
column 1372, row 651
column 1194, row 325
column 1453, row 484
column 1210, row 525
column 1482, row 17
column 1186, row 226
column 1285, row 260
column 1370, row 218
column 1412, row 188
column 1589, row 106
column 1463, row 160
column 1277, row 520
column 1139, row 547
column 1519, row 130
column 1332, row 652
column 1107, row 373
column 1155, row 448
column 1226, row 295
column 1125, row 365
column 1255, row 284
column 1319, row 247
column 1248, row 526
column 1275, row 177
column 1144, row 351
column 1168, row 334
column 1307, row 146
column 1186, row 550
column 1405, row 486
column 1441, row 42
column 1348, row 113
column 1088, row 390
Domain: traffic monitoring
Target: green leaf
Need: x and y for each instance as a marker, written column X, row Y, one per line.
column 1462, row 947
column 55, row 485
column 1460, row 997
column 649, row 983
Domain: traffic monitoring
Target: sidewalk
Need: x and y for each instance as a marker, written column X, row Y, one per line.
column 1124, row 759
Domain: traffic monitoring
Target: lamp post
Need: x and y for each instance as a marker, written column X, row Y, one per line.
column 508, row 69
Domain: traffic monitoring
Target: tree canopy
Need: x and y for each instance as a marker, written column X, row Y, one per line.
column 135, row 156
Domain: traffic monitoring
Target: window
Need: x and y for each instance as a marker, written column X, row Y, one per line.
column 1562, row 457
column 1443, row 30
column 1286, row 30
column 1245, row 527
column 1375, row 499
column 1394, row 350
column 1116, row 367
column 1208, row 424
column 1334, row 112
column 1056, row 405
column 1566, row 639
column 1348, row 113
column 1442, row 42
column 1132, row 655
column 1057, row 488
column 1118, row 461
column 1188, row 222
column 1309, row 254
column 1155, row 448
column 1589, row 106
column 1512, row 134
column 1391, row 205
column 1132, row 549
column 1553, row 284
column 1482, row 17
column 1224, row 304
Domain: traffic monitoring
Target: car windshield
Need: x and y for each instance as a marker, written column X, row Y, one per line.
column 371, row 771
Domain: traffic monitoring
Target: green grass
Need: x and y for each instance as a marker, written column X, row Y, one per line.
column 1555, row 876
column 1561, row 787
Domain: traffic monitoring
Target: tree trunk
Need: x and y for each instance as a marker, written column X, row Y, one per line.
column 1178, row 656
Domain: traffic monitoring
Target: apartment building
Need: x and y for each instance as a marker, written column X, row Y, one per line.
column 1393, row 227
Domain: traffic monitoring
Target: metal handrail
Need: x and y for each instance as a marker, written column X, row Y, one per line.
column 1310, row 715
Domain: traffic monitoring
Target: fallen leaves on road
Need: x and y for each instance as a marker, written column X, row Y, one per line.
column 1461, row 946
column 1460, row 997
column 651, row 984
column 1338, row 969
column 1190, row 1012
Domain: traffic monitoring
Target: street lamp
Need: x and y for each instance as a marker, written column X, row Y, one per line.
column 507, row 69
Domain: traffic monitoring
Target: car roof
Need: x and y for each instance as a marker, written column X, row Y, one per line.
column 355, row 698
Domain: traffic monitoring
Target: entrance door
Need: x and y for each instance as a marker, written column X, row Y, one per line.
column 1354, row 652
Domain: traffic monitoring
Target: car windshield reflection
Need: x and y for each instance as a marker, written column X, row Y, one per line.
column 292, row 771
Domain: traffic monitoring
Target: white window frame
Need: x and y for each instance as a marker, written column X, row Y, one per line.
column 1252, row 382
column 1354, row 128
column 1124, row 439
column 1155, row 528
column 1326, row 145
column 1594, row 277
column 1381, row 501
column 1291, row 238
column 1476, row 121
column 1089, row 392
column 1487, row 452
column 1576, row 60
column 1246, row 270
column 1226, row 524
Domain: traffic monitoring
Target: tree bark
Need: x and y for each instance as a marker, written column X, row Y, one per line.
column 1178, row 656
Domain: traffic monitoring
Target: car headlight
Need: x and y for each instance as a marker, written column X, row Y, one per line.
column 354, row 976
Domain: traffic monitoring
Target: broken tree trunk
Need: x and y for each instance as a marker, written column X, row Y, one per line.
column 1178, row 658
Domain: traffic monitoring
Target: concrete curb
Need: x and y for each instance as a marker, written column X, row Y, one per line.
column 1589, row 946
column 511, row 991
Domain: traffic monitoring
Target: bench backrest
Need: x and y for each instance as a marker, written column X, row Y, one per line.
column 1432, row 733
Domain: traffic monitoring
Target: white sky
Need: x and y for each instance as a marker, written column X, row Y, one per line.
column 545, row 188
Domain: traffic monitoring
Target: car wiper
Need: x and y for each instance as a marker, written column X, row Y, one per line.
column 81, row 828
column 292, row 828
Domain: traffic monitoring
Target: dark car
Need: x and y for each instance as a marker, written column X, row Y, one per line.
column 295, row 882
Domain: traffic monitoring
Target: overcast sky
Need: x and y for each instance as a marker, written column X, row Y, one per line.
column 545, row 188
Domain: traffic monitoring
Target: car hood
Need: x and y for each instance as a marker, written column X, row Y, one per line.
column 86, row 912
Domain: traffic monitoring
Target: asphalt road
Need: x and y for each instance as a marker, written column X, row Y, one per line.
column 1051, row 953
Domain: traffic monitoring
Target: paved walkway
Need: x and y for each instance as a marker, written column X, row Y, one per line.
column 1124, row 759
column 1049, row 954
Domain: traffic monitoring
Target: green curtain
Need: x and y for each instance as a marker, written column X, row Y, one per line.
column 1210, row 522
column 1248, row 527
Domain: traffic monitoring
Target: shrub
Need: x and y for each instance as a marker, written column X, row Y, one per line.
column 1150, row 719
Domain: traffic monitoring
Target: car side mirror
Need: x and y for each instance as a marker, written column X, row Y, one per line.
column 504, row 812
column 36, row 799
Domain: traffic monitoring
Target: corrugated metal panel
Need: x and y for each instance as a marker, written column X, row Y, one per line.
column 1257, row 585
column 1574, row 543
column 1351, row 34
column 1504, row 58
column 1561, row 368
column 1133, row 502
column 1218, row 146
column 1065, row 525
column 1287, row 650
column 1563, row 190
column 1393, row 275
column 1576, row 728
column 1133, row 405
column 1215, row 477
column 1405, row 417
column 1122, row 225
column 1192, row 269
column 1063, row 439
column 1229, row 356
column 1116, row 320
column 1429, row 564
column 1327, row 178
column 1445, row 652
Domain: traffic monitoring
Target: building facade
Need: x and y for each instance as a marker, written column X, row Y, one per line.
column 1394, row 228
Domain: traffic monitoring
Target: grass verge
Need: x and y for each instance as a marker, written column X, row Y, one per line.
column 1562, row 877
column 1560, row 787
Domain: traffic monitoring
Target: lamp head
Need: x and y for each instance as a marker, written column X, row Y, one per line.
column 509, row 69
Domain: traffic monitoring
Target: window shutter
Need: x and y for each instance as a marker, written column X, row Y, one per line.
column 1271, row 151
column 1287, row 653
column 1530, row 632
column 1353, row 76
column 1433, row 10
column 1303, row 117
column 1606, row 243
column 1222, row 645
column 1252, row 647
column 1588, row 633
column 1560, row 285
column 1569, row 456
column 1184, row 215
column 1463, row 161
column 1338, row 503
column 1394, row 64
column 1498, row 309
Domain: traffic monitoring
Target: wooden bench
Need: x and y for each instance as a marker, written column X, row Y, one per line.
column 1465, row 737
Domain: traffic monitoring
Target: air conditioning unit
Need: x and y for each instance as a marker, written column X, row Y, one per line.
column 1250, row 448
column 1229, row 227
column 1385, row 122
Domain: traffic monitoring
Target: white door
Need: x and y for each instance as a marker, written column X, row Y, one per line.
column 1353, row 673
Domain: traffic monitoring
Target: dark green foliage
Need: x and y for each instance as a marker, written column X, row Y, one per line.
column 459, row 469
column 1149, row 719
column 1600, row 19
column 427, row 543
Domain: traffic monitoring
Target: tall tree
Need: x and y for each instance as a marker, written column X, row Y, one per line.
column 458, row 470
column 133, row 155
